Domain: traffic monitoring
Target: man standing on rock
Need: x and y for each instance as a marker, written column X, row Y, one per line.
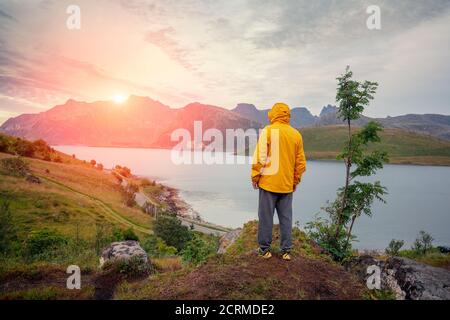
column 278, row 164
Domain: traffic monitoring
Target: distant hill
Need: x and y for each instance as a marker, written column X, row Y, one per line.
column 402, row 146
column 429, row 124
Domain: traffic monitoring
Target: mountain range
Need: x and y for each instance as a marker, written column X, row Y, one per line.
column 436, row 125
column 144, row 122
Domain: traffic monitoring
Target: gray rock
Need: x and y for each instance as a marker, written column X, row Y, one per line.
column 33, row 179
column 420, row 281
column 444, row 249
column 406, row 278
column 228, row 239
column 123, row 250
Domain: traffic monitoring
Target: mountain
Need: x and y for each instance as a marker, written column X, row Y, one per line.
column 144, row 122
column 300, row 116
column 436, row 125
column 139, row 122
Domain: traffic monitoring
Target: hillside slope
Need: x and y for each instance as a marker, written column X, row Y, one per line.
column 403, row 147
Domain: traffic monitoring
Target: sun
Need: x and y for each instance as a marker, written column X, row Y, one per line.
column 119, row 98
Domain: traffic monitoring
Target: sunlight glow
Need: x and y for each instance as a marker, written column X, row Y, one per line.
column 120, row 98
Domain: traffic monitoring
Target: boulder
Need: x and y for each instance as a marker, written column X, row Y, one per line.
column 420, row 281
column 33, row 179
column 228, row 239
column 444, row 249
column 406, row 278
column 123, row 250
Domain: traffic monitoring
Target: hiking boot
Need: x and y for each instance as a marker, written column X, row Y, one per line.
column 265, row 254
column 286, row 256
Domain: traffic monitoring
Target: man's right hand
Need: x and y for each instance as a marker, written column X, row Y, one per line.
column 255, row 185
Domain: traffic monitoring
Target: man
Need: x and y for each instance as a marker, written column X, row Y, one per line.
column 278, row 164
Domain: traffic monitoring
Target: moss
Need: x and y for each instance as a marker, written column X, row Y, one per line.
column 379, row 295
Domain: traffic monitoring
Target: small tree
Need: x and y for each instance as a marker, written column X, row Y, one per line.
column 394, row 247
column 170, row 229
column 423, row 243
column 5, row 144
column 93, row 162
column 355, row 197
column 197, row 250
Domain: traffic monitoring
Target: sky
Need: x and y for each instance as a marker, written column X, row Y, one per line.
column 223, row 53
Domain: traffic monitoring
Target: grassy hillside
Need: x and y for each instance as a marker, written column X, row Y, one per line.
column 58, row 197
column 402, row 146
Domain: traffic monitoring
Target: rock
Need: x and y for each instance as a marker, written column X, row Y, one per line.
column 420, row 281
column 33, row 179
column 406, row 278
column 444, row 249
column 228, row 239
column 123, row 250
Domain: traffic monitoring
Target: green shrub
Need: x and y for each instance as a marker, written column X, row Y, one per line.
column 423, row 243
column 156, row 247
column 4, row 144
column 128, row 234
column 102, row 237
column 322, row 231
column 197, row 250
column 15, row 167
column 170, row 229
column 24, row 148
column 123, row 235
column 394, row 247
column 8, row 231
column 133, row 267
column 44, row 241
column 41, row 146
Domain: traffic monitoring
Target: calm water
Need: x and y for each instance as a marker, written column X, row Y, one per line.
column 419, row 196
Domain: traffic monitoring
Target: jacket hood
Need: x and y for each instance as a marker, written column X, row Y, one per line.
column 280, row 113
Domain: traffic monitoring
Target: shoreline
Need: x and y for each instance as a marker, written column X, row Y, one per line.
column 170, row 196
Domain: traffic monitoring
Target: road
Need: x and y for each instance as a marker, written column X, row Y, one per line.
column 204, row 227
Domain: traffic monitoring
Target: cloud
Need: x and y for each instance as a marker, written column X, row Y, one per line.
column 224, row 53
column 6, row 16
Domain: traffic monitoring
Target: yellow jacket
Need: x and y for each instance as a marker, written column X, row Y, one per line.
column 279, row 160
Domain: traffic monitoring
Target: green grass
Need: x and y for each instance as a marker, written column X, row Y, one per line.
column 402, row 146
column 433, row 258
column 73, row 199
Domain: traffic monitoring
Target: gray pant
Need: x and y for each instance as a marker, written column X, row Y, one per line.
column 268, row 202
